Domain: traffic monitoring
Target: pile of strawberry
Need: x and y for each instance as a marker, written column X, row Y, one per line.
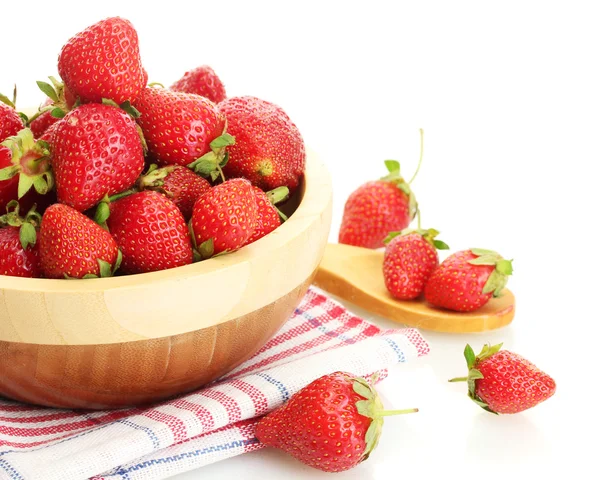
column 378, row 214
column 115, row 175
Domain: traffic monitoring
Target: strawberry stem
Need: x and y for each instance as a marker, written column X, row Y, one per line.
column 420, row 159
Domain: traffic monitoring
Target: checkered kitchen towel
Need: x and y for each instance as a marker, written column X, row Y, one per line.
column 208, row 425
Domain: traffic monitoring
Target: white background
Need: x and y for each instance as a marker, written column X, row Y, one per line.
column 508, row 94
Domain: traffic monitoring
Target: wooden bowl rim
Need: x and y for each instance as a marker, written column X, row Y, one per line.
column 315, row 200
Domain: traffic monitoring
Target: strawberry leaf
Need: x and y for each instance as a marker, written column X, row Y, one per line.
column 484, row 260
column 393, row 166
column 440, row 245
column 48, row 90
column 9, row 172
column 362, row 389
column 27, row 235
column 25, row 184
column 480, row 251
column 102, row 213
column 110, row 103
column 130, row 109
column 4, row 99
column 58, row 112
column 504, row 267
column 118, row 261
column 470, row 356
column 278, row 195
column 40, row 184
column 222, row 141
column 105, row 268
column 391, row 236
column 207, row 248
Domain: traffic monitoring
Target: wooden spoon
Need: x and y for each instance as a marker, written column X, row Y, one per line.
column 355, row 274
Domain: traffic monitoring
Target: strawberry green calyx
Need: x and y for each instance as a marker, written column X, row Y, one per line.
column 106, row 269
column 31, row 161
column 475, row 374
column 27, row 225
column 428, row 234
column 372, row 407
column 278, row 195
column 394, row 177
column 126, row 106
column 210, row 165
column 154, row 178
column 499, row 277
column 55, row 91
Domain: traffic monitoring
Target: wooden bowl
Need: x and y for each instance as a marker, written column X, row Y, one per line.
column 131, row 340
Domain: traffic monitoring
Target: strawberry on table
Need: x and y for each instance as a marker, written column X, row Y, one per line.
column 19, row 252
column 74, row 246
column 224, row 217
column 332, row 424
column 25, row 172
column 504, row 382
column 103, row 61
column 179, row 184
column 269, row 150
column 468, row 279
column 178, row 127
column 410, row 258
column 97, row 151
column 202, row 81
column 150, row 231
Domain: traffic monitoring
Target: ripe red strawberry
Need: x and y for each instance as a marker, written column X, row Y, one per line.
column 268, row 216
column 97, row 151
column 224, row 217
column 74, row 246
column 24, row 171
column 466, row 280
column 10, row 121
column 178, row 127
column 332, row 424
column 410, row 258
column 103, row 61
column 19, row 252
column 503, row 382
column 40, row 124
column 377, row 208
column 269, row 150
column 150, row 231
column 201, row 81
column 178, row 183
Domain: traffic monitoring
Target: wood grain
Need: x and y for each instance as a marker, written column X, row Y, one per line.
column 355, row 274
column 128, row 374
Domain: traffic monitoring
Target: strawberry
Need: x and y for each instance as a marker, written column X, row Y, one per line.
column 41, row 123
column 178, row 127
column 103, row 61
column 10, row 120
column 268, row 216
column 377, row 208
column 178, row 183
column 224, row 217
column 410, row 258
column 332, row 424
column 201, row 81
column 503, row 382
column 19, row 252
column 24, row 171
column 74, row 246
column 150, row 231
column 269, row 150
column 97, row 151
column 466, row 280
